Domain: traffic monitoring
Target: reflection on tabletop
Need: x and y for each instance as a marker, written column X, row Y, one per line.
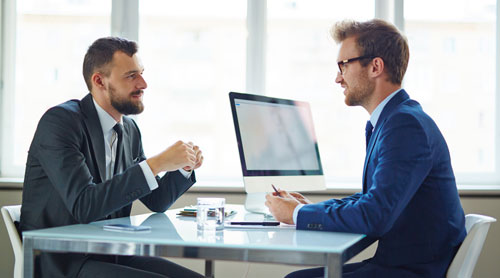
column 186, row 227
column 172, row 229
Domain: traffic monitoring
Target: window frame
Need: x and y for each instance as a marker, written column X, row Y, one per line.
column 7, row 75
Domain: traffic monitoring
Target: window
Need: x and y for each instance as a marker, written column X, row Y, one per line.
column 51, row 40
column 195, row 52
column 302, row 65
column 452, row 73
column 194, row 55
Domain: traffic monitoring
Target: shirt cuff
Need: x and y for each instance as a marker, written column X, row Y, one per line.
column 148, row 174
column 296, row 213
column 185, row 173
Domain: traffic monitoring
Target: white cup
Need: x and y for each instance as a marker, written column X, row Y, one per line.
column 210, row 213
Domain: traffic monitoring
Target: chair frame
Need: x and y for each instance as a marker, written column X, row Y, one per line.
column 10, row 215
column 467, row 255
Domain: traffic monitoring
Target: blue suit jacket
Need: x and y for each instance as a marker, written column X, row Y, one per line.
column 409, row 200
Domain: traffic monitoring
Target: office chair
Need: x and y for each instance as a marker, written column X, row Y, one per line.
column 11, row 214
column 466, row 258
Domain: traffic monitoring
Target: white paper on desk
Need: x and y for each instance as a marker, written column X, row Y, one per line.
column 245, row 227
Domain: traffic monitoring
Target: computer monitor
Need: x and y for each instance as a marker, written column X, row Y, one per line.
column 277, row 145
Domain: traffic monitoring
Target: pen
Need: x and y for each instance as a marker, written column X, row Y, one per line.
column 276, row 190
column 266, row 223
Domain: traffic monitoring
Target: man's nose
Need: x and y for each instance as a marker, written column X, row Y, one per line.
column 339, row 78
column 142, row 83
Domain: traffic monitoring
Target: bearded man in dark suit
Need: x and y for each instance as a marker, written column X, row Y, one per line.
column 86, row 163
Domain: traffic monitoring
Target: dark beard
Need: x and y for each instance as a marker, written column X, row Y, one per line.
column 125, row 106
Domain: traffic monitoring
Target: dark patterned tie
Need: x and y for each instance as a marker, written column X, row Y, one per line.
column 368, row 132
column 119, row 148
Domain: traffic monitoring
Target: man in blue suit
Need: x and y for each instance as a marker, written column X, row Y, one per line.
column 409, row 200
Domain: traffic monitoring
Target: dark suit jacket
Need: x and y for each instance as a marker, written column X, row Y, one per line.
column 409, row 199
column 65, row 182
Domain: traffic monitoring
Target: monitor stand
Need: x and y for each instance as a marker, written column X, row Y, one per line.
column 255, row 203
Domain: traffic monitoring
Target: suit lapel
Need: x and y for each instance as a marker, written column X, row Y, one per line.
column 95, row 133
column 389, row 107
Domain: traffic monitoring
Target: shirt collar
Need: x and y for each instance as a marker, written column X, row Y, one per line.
column 376, row 113
column 107, row 122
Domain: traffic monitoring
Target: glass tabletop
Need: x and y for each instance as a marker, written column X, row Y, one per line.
column 171, row 229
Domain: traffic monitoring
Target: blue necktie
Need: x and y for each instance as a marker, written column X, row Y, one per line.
column 368, row 132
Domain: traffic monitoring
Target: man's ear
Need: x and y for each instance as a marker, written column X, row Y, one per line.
column 98, row 81
column 377, row 67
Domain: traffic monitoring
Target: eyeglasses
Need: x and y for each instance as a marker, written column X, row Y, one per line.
column 345, row 62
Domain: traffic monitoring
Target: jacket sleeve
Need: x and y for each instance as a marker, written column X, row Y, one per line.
column 170, row 187
column 343, row 200
column 403, row 160
column 59, row 146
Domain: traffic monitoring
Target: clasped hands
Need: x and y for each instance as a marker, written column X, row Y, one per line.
column 281, row 204
column 180, row 155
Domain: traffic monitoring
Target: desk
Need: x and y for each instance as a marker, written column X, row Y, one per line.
column 175, row 236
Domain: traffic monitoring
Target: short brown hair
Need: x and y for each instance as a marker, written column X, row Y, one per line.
column 100, row 54
column 378, row 38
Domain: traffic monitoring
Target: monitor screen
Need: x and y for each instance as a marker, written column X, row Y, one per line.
column 275, row 136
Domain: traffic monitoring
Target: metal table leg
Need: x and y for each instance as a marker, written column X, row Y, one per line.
column 29, row 258
column 333, row 268
column 209, row 269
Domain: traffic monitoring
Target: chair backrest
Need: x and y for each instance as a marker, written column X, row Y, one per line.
column 466, row 258
column 10, row 215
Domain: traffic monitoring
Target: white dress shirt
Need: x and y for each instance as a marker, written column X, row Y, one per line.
column 107, row 124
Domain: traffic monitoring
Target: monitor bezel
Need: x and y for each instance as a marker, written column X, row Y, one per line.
column 267, row 99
